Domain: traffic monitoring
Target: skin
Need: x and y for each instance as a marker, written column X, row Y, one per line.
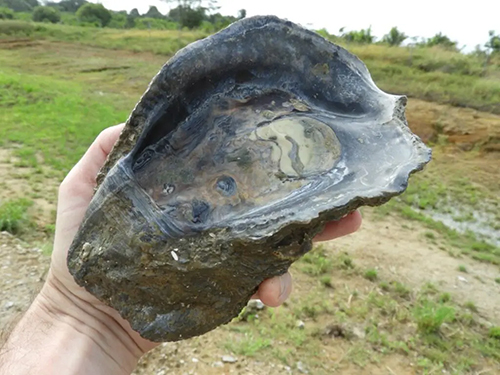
column 68, row 331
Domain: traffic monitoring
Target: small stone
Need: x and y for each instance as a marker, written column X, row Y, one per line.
column 218, row 364
column 8, row 305
column 162, row 372
column 301, row 324
column 229, row 359
column 302, row 369
column 256, row 304
column 195, row 360
column 462, row 279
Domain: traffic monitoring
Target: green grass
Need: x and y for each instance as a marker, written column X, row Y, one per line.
column 52, row 119
column 14, row 216
column 462, row 268
column 425, row 326
column 371, row 274
column 428, row 73
column 165, row 42
column 315, row 262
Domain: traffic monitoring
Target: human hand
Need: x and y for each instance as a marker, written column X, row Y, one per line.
column 62, row 295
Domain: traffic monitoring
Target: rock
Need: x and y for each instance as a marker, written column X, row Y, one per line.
column 301, row 367
column 300, row 324
column 8, row 305
column 245, row 144
column 462, row 279
column 229, row 359
column 218, row 364
column 256, row 304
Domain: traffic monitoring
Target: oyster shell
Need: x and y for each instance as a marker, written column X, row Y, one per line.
column 245, row 144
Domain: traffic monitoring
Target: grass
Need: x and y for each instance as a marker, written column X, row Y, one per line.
column 364, row 325
column 50, row 115
column 371, row 274
column 428, row 73
column 53, row 120
column 14, row 215
column 462, row 268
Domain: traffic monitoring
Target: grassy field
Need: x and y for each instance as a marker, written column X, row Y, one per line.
column 428, row 73
column 73, row 82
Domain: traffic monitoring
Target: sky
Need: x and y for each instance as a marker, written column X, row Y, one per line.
column 466, row 21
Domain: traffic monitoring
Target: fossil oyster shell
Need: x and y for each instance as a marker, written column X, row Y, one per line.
column 245, row 144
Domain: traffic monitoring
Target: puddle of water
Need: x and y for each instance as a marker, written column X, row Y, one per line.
column 479, row 223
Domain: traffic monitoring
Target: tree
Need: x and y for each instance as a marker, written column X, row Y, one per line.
column 195, row 4
column 46, row 14
column 441, row 40
column 395, row 37
column 153, row 12
column 19, row 5
column 134, row 13
column 242, row 13
column 94, row 13
column 131, row 18
column 493, row 43
column 187, row 16
column 363, row 36
column 71, row 6
column 6, row 13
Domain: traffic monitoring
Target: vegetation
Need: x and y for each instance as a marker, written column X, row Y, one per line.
column 394, row 37
column 46, row 14
column 6, row 13
column 54, row 104
column 14, row 216
column 94, row 14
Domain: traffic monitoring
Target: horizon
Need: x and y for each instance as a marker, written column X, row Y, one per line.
column 469, row 26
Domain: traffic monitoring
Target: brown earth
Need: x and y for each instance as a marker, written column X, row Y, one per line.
column 398, row 249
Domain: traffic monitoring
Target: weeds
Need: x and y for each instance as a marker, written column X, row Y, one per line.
column 14, row 217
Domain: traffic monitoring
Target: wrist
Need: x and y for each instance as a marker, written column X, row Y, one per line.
column 61, row 331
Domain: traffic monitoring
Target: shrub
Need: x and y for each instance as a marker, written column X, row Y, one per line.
column 14, row 215
column 394, row 37
column 94, row 13
column 6, row 14
column 46, row 14
column 442, row 41
column 363, row 36
column 16, row 28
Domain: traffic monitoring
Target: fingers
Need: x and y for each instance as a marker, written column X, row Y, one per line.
column 273, row 292
column 342, row 227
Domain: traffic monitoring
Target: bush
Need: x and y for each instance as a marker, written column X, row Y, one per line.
column 94, row 13
column 362, row 36
column 46, row 14
column 395, row 37
column 442, row 41
column 14, row 215
column 16, row 28
column 6, row 14
column 493, row 42
column 118, row 21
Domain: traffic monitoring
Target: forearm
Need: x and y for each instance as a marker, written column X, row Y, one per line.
column 59, row 335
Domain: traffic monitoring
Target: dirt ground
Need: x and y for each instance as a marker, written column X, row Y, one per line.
column 397, row 249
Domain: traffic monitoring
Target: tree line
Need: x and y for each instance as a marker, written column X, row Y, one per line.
column 191, row 14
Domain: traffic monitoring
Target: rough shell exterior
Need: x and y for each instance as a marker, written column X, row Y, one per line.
column 245, row 144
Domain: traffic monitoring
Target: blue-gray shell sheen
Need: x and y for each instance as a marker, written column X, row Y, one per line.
column 244, row 145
